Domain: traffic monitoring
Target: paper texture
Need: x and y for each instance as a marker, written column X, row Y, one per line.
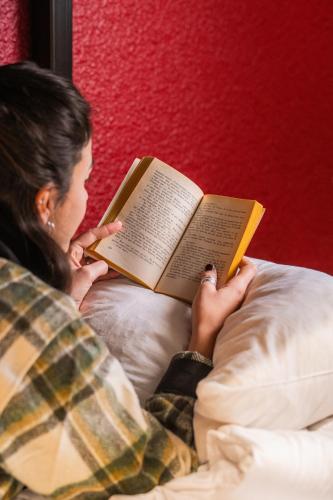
column 213, row 236
column 154, row 219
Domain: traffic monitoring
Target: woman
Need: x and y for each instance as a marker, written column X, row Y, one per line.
column 71, row 424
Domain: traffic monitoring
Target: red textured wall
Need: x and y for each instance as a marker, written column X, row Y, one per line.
column 14, row 31
column 236, row 94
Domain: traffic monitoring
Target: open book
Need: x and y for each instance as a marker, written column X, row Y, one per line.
column 171, row 230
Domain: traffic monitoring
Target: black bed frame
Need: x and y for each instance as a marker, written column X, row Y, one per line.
column 51, row 35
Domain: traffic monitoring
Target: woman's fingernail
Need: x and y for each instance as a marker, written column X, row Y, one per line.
column 209, row 267
column 119, row 223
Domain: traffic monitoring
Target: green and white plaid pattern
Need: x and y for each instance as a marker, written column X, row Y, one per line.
column 70, row 422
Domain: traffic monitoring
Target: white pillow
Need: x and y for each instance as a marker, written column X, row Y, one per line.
column 288, row 465
column 273, row 360
column 142, row 329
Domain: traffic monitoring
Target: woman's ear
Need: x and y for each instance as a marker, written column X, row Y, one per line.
column 45, row 201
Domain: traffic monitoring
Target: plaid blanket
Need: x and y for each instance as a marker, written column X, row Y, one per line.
column 70, row 421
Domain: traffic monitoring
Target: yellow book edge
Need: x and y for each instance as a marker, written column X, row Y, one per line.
column 174, row 296
column 253, row 222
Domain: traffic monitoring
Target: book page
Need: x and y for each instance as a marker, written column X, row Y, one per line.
column 154, row 219
column 213, row 236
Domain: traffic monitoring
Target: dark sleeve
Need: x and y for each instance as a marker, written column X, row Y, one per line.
column 174, row 398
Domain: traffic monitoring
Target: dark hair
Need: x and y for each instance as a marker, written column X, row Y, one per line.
column 44, row 124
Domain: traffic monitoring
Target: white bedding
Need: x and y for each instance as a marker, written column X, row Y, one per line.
column 273, row 370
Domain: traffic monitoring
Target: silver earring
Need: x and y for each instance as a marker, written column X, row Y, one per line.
column 50, row 225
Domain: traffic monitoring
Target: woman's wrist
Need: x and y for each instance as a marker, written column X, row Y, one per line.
column 203, row 344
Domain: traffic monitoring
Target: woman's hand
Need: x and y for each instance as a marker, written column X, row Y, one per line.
column 212, row 305
column 83, row 274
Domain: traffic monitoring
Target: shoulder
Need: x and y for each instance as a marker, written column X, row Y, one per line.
column 32, row 315
column 37, row 325
column 23, row 295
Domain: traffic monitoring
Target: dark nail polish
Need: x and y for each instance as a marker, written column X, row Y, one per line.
column 209, row 267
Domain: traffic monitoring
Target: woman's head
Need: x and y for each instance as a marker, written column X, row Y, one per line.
column 45, row 156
